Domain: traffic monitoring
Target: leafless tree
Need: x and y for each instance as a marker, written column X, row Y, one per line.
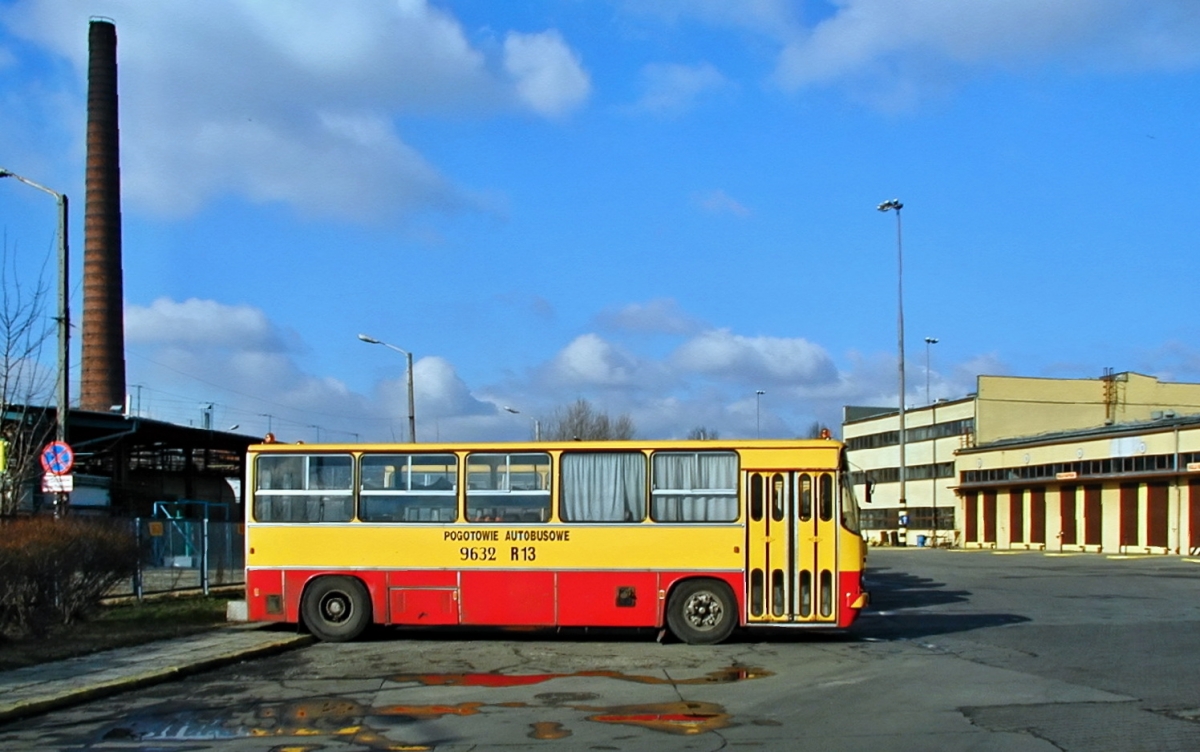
column 815, row 430
column 26, row 385
column 580, row 421
column 701, row 433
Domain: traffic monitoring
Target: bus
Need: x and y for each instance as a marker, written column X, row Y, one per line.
column 698, row 537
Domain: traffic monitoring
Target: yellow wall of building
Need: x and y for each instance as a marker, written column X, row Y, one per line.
column 1010, row 406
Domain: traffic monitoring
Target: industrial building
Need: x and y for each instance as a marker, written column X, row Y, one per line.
column 1070, row 464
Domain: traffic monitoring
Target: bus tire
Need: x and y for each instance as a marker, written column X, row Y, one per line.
column 702, row 612
column 336, row 609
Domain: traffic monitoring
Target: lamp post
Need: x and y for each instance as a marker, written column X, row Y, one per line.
column 63, row 406
column 758, row 393
column 930, row 341
column 64, row 311
column 412, row 417
column 537, row 424
column 886, row 206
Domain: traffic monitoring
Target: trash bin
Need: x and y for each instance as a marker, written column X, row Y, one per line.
column 920, row 541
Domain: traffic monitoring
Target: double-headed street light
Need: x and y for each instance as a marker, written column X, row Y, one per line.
column 758, row 393
column 929, row 341
column 64, row 310
column 537, row 424
column 412, row 417
column 886, row 206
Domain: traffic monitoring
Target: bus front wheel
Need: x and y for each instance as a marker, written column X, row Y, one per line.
column 336, row 609
column 702, row 612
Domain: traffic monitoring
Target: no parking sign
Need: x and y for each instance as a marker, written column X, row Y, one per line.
column 58, row 458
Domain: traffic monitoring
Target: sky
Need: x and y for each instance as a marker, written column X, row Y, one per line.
column 664, row 207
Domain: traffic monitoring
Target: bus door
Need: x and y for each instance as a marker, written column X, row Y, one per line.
column 790, row 555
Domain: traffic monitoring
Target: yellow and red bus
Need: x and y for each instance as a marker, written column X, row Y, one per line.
column 700, row 537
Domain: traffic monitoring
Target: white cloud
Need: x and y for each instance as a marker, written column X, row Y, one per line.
column 893, row 54
column 671, row 89
column 770, row 360
column 195, row 352
column 897, row 51
column 548, row 76
column 297, row 102
column 589, row 361
column 720, row 202
column 660, row 316
column 201, row 322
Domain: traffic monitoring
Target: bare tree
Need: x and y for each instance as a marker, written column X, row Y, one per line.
column 579, row 421
column 816, row 430
column 26, row 386
column 701, row 433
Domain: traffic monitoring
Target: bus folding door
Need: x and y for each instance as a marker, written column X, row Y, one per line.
column 790, row 548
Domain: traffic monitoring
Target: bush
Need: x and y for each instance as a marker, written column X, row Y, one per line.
column 55, row 571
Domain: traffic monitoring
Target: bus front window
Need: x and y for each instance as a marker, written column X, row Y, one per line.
column 850, row 518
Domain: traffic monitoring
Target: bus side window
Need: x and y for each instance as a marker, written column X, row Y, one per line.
column 508, row 487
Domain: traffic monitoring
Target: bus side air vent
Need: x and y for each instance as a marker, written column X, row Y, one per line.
column 626, row 596
column 274, row 604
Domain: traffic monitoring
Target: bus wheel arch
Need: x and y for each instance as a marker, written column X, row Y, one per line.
column 702, row 610
column 336, row 608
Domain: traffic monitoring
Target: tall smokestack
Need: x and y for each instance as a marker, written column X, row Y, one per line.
column 103, row 316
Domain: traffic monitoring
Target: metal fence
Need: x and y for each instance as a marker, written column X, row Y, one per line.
column 181, row 554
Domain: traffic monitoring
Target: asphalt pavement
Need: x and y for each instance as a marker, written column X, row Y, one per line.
column 50, row 686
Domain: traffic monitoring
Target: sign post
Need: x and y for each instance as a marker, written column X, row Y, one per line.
column 57, row 460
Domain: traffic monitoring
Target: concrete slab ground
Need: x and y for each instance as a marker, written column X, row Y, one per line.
column 50, row 686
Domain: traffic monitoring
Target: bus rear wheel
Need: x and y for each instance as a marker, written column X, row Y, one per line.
column 336, row 609
column 702, row 612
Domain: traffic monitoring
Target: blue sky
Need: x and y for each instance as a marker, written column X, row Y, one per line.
column 661, row 207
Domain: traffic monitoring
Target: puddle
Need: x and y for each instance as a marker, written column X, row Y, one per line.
column 683, row 718
column 492, row 680
column 346, row 721
column 548, row 731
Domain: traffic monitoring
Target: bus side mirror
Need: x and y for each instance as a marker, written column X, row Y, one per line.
column 869, row 490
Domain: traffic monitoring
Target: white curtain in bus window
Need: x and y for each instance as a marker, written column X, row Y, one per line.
column 508, row 487
column 408, row 488
column 694, row 487
column 603, row 486
column 304, row 488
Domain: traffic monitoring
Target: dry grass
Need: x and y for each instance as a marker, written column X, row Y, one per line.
column 117, row 626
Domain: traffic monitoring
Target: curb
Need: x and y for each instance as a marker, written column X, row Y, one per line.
column 77, row 696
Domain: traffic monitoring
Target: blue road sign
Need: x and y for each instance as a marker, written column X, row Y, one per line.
column 58, row 458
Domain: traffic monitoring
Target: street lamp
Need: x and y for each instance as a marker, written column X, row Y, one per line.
column 885, row 207
column 929, row 341
column 63, row 407
column 412, row 417
column 758, row 393
column 537, row 424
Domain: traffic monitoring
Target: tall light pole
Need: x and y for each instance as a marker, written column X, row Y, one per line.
column 537, row 424
column 758, row 393
column 887, row 206
column 930, row 341
column 63, row 408
column 412, row 417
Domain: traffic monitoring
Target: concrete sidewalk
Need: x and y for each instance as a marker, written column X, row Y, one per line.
column 38, row 689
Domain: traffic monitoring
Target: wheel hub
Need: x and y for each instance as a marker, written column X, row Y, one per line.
column 703, row 611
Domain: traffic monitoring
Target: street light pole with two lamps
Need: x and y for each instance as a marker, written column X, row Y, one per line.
column 886, row 206
column 537, row 424
column 758, row 393
column 412, row 418
column 930, row 341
